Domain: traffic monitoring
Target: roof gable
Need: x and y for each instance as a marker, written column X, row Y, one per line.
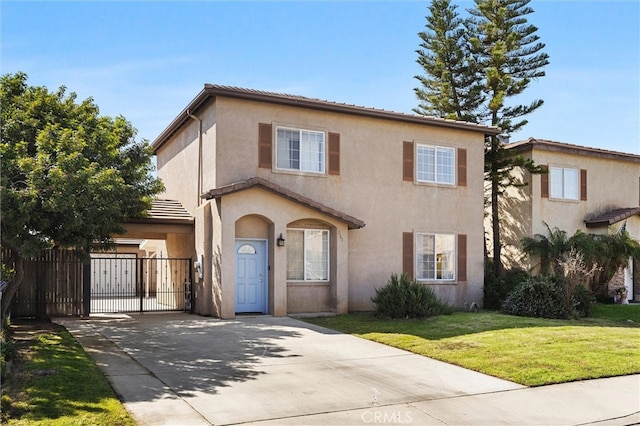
column 351, row 221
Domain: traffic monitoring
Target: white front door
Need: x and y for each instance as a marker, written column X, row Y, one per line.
column 251, row 276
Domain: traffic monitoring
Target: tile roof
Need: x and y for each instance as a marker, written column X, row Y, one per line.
column 547, row 145
column 166, row 211
column 212, row 90
column 351, row 221
column 612, row 216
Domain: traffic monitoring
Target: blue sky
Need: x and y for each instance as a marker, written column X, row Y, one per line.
column 146, row 60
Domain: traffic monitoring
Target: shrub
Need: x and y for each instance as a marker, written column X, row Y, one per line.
column 538, row 296
column 496, row 290
column 582, row 301
column 403, row 298
column 7, row 352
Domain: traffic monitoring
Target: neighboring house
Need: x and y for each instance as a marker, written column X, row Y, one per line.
column 304, row 205
column 587, row 189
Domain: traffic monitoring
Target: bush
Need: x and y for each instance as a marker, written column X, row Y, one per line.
column 496, row 290
column 582, row 301
column 7, row 352
column 538, row 296
column 403, row 298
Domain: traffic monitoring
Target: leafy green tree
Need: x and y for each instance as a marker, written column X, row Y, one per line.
column 502, row 52
column 70, row 177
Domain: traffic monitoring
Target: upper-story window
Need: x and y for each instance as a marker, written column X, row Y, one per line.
column 298, row 149
column 564, row 183
column 435, row 164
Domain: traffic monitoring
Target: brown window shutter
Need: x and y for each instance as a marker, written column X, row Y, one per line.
column 462, row 257
column 334, row 153
column 462, row 167
column 544, row 182
column 407, row 254
column 583, row 185
column 407, row 161
column 264, row 145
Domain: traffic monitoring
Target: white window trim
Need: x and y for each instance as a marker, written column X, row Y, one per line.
column 300, row 130
column 454, row 259
column 564, row 196
column 304, row 256
column 436, row 181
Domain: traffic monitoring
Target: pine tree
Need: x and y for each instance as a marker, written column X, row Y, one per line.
column 501, row 51
column 452, row 84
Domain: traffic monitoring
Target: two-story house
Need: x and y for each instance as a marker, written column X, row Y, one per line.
column 587, row 189
column 305, row 205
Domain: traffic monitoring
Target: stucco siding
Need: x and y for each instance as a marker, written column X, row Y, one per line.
column 369, row 187
column 610, row 184
column 612, row 181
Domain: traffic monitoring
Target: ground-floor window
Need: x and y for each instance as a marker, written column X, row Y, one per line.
column 307, row 254
column 435, row 257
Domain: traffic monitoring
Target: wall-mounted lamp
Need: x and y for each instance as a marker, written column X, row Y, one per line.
column 504, row 137
column 199, row 266
column 280, row 241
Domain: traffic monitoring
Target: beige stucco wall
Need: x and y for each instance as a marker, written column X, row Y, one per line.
column 611, row 183
column 370, row 187
column 254, row 212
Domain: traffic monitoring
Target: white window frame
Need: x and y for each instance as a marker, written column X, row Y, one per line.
column 308, row 273
column 305, row 152
column 446, row 275
column 560, row 183
column 438, row 175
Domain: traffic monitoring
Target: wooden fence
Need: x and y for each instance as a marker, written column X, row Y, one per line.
column 52, row 286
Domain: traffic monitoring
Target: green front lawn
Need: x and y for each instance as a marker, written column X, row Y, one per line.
column 53, row 381
column 529, row 351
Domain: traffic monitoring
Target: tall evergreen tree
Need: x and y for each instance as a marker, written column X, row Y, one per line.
column 504, row 54
column 452, row 84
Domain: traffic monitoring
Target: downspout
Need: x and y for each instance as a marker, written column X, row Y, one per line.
column 199, row 155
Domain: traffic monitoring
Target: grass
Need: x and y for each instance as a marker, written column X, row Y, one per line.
column 53, row 381
column 529, row 351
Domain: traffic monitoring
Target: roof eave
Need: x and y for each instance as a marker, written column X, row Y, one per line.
column 350, row 221
column 211, row 91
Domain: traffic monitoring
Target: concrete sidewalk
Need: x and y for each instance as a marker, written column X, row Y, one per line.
column 178, row 369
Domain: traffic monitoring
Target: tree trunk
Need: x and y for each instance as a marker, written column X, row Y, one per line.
column 17, row 261
column 495, row 211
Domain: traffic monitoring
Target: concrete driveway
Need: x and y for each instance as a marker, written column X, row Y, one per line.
column 178, row 369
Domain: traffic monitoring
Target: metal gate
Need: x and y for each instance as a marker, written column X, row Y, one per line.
column 124, row 283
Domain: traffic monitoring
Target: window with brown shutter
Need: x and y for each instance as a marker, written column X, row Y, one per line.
column 462, row 167
column 583, row 185
column 334, row 153
column 407, row 161
column 264, row 145
column 544, row 182
column 462, row 257
column 407, row 254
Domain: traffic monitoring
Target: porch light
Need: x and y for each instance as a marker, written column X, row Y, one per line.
column 280, row 241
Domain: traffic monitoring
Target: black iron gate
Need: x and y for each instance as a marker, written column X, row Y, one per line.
column 124, row 283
